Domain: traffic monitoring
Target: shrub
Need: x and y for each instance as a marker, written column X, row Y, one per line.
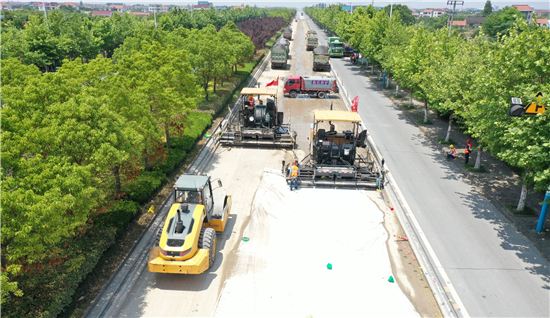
column 196, row 123
column 118, row 216
column 48, row 286
column 141, row 189
column 175, row 156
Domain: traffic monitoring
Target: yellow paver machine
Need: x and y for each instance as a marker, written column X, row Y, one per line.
column 334, row 159
column 257, row 122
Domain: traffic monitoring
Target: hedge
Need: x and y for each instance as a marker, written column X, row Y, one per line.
column 49, row 285
column 118, row 216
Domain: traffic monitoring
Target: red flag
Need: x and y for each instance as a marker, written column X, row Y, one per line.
column 355, row 104
column 274, row 82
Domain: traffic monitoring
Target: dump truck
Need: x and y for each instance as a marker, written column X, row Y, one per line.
column 311, row 85
column 287, row 33
column 334, row 159
column 336, row 47
column 186, row 244
column 311, row 40
column 321, row 58
column 279, row 56
column 284, row 42
column 257, row 123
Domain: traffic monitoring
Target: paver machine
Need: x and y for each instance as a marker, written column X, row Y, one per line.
column 186, row 244
column 257, row 122
column 334, row 159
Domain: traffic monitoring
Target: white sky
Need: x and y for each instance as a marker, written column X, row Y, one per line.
column 537, row 4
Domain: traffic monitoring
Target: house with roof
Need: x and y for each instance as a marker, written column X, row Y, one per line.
column 415, row 13
column 201, row 6
column 474, row 22
column 538, row 13
column 6, row 6
column 155, row 7
column 459, row 24
column 220, row 7
column 526, row 10
column 438, row 13
column 103, row 13
column 141, row 14
column 69, row 4
column 543, row 23
column 116, row 7
column 238, row 7
column 41, row 5
column 427, row 13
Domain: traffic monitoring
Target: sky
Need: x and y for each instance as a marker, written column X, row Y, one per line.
column 537, row 4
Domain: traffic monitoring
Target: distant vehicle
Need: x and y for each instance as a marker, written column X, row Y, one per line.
column 321, row 58
column 287, row 33
column 311, row 40
column 279, row 56
column 311, row 85
column 348, row 50
column 336, row 47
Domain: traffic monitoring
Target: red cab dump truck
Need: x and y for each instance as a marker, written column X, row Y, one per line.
column 311, row 85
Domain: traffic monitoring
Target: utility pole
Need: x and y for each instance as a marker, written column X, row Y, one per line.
column 391, row 9
column 46, row 13
column 453, row 2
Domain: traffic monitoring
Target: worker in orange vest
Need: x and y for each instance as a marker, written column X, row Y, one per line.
column 467, row 151
column 293, row 174
column 452, row 153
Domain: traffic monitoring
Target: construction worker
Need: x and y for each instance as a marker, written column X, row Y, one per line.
column 293, row 174
column 467, row 151
column 452, row 153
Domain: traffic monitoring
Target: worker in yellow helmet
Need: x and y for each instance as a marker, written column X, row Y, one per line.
column 452, row 153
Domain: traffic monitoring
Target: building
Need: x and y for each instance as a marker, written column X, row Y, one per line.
column 438, row 13
column 538, row 13
column 474, row 22
column 238, row 7
column 459, row 24
column 141, row 14
column 525, row 9
column 116, row 7
column 415, row 13
column 155, row 8
column 6, row 6
column 220, row 7
column 104, row 13
column 40, row 5
column 427, row 13
column 543, row 22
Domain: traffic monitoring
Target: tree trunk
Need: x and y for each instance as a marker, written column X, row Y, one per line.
column 411, row 98
column 449, row 128
column 372, row 68
column 523, row 195
column 388, row 80
column 478, row 158
column 167, row 133
column 215, row 82
column 425, row 110
column 116, row 172
column 147, row 165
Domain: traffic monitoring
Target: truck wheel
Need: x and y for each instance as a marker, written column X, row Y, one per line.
column 321, row 94
column 207, row 240
column 157, row 238
column 293, row 94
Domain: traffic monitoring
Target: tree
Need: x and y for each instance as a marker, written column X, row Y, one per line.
column 404, row 12
column 499, row 22
column 163, row 77
column 488, row 9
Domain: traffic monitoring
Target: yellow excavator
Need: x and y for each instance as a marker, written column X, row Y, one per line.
column 186, row 244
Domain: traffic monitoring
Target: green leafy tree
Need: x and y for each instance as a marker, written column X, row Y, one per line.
column 487, row 9
column 163, row 77
column 499, row 22
column 404, row 13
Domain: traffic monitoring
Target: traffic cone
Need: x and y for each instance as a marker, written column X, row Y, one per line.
column 329, row 266
column 391, row 279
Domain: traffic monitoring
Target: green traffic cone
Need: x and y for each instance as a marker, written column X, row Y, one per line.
column 329, row 266
column 391, row 279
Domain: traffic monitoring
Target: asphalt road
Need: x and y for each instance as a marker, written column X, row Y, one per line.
column 495, row 271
